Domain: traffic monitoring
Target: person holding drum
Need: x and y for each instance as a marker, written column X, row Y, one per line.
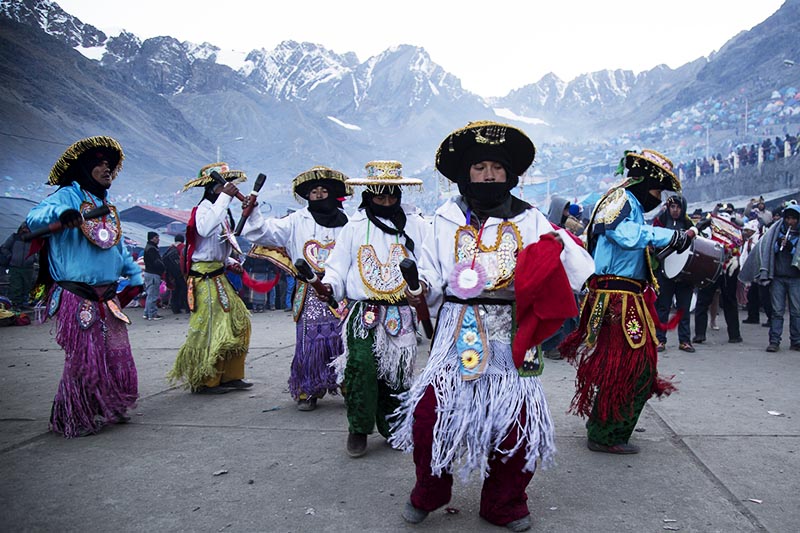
column 614, row 348
column 725, row 230
column 674, row 217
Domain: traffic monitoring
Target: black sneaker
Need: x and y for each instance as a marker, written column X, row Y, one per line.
column 356, row 444
column 157, row 317
column 735, row 340
column 237, row 384
column 772, row 348
column 211, row 390
column 698, row 339
column 521, row 524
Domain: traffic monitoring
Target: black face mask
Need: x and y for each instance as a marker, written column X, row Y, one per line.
column 325, row 205
column 487, row 195
column 384, row 211
column 642, row 193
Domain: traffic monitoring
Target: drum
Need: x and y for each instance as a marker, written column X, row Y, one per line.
column 699, row 265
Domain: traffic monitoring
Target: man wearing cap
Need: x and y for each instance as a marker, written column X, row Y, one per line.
column 674, row 217
column 79, row 267
column 776, row 261
column 153, row 271
column 310, row 234
column 506, row 279
column 725, row 229
column 614, row 348
column 380, row 329
column 211, row 361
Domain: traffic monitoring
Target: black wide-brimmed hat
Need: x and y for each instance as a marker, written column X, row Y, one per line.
column 499, row 142
column 63, row 171
column 332, row 180
column 649, row 164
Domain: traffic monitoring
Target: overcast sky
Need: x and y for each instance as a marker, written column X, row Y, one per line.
column 493, row 46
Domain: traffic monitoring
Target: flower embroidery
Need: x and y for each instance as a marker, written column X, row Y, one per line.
column 633, row 327
column 470, row 359
column 391, row 324
column 469, row 337
column 369, row 317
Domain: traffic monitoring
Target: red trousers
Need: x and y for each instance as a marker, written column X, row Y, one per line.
column 503, row 497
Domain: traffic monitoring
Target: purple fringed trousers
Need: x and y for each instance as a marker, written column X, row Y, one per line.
column 99, row 383
column 319, row 342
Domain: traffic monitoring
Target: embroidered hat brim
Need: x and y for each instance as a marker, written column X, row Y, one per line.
column 333, row 180
column 653, row 165
column 383, row 174
column 454, row 148
column 59, row 174
column 204, row 176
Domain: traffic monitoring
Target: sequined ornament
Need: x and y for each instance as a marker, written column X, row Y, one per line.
column 55, row 300
column 382, row 280
column 392, row 321
column 87, row 314
column 369, row 316
column 317, row 254
column 190, row 282
column 532, row 363
column 103, row 232
column 113, row 306
column 300, row 295
column 222, row 294
column 498, row 261
column 471, row 344
column 596, row 318
column 632, row 320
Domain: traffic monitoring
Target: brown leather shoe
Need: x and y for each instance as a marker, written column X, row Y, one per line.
column 661, row 346
column 686, row 347
column 623, row 448
column 356, row 444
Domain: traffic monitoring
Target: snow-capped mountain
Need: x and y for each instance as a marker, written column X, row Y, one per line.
column 300, row 104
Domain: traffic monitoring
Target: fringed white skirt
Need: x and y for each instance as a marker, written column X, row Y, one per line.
column 475, row 417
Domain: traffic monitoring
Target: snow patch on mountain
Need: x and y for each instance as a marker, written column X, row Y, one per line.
column 343, row 124
column 506, row 113
column 92, row 52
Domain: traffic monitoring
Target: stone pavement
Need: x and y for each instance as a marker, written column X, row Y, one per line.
column 713, row 457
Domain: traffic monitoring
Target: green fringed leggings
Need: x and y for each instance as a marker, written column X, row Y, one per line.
column 368, row 399
column 613, row 432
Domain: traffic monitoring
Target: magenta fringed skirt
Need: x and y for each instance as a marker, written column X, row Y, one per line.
column 99, row 383
column 319, row 342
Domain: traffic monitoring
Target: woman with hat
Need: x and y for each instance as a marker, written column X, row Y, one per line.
column 364, row 267
column 211, row 361
column 478, row 406
column 80, row 267
column 309, row 233
column 614, row 347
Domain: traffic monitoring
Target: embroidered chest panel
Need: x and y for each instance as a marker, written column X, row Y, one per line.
column 381, row 279
column 105, row 231
column 317, row 253
column 499, row 260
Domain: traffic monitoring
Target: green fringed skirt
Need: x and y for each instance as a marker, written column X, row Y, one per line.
column 218, row 329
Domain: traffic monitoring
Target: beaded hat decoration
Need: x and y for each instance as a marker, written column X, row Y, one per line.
column 650, row 164
column 333, row 180
column 382, row 175
column 204, row 176
column 512, row 142
column 61, row 173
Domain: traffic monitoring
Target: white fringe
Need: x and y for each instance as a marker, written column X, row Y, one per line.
column 396, row 356
column 474, row 417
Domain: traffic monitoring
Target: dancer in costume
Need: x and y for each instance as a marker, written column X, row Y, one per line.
column 309, row 233
column 211, row 361
column 475, row 407
column 614, row 347
column 380, row 329
column 79, row 267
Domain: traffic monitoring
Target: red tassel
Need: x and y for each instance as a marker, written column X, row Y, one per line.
column 259, row 286
column 650, row 300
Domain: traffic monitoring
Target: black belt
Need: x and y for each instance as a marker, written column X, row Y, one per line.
column 86, row 291
column 400, row 303
column 209, row 275
column 618, row 284
column 477, row 301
